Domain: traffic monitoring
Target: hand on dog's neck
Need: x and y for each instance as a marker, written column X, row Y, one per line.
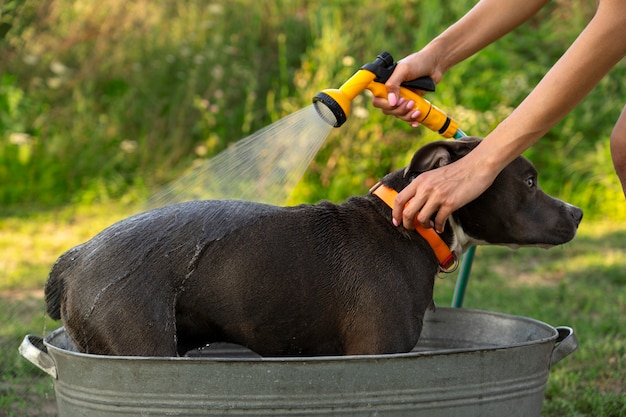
column 447, row 257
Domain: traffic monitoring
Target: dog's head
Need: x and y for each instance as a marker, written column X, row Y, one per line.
column 513, row 211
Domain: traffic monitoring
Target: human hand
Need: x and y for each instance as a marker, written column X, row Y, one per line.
column 441, row 191
column 403, row 109
column 413, row 66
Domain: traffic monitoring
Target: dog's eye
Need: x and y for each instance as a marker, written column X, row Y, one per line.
column 530, row 181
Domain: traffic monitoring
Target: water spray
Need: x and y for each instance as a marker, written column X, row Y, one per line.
column 333, row 105
column 266, row 166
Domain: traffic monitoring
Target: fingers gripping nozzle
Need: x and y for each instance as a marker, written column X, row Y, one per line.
column 336, row 102
column 333, row 105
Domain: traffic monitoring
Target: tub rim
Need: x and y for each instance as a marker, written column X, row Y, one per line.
column 562, row 336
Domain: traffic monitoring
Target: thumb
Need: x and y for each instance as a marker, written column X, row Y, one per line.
column 393, row 83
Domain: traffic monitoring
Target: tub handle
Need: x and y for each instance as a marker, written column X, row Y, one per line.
column 566, row 343
column 35, row 351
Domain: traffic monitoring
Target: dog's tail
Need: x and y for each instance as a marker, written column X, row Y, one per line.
column 54, row 289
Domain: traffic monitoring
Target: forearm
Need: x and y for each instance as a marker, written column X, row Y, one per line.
column 618, row 148
column 597, row 49
column 486, row 22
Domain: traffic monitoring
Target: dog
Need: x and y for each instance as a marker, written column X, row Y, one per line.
column 322, row 279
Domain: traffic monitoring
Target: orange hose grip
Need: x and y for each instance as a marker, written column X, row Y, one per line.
column 430, row 116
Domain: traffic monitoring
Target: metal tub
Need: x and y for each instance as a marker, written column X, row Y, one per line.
column 468, row 362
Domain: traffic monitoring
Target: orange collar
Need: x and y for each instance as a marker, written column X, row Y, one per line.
column 446, row 258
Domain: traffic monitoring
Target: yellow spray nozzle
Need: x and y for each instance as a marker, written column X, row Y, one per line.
column 336, row 107
column 372, row 76
column 338, row 101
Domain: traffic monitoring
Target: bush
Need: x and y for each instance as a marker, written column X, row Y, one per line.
column 108, row 100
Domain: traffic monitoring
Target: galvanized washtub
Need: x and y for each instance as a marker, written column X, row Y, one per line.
column 468, row 362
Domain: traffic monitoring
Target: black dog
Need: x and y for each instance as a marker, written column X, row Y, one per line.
column 319, row 279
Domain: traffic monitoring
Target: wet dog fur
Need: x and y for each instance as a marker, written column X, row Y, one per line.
column 322, row 279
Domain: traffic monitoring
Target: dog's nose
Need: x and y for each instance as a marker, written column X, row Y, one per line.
column 576, row 213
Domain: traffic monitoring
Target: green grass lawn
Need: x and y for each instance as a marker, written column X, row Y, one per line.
column 581, row 284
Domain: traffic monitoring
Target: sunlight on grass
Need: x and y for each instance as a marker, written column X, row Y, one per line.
column 30, row 246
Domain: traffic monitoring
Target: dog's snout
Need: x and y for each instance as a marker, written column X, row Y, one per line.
column 576, row 213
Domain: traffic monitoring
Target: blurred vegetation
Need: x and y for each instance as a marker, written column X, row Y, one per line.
column 109, row 100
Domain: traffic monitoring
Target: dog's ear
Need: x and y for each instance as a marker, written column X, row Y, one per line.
column 440, row 153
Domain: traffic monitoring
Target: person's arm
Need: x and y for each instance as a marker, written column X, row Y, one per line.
column 596, row 50
column 618, row 149
column 486, row 22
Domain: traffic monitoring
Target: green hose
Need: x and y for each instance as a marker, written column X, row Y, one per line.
column 466, row 262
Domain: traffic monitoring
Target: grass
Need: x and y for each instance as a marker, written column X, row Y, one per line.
column 24, row 391
column 30, row 242
column 580, row 284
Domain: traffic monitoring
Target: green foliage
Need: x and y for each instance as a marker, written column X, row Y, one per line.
column 23, row 391
column 108, row 100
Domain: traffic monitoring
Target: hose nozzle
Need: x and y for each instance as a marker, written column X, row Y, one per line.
column 333, row 105
column 338, row 101
column 336, row 106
